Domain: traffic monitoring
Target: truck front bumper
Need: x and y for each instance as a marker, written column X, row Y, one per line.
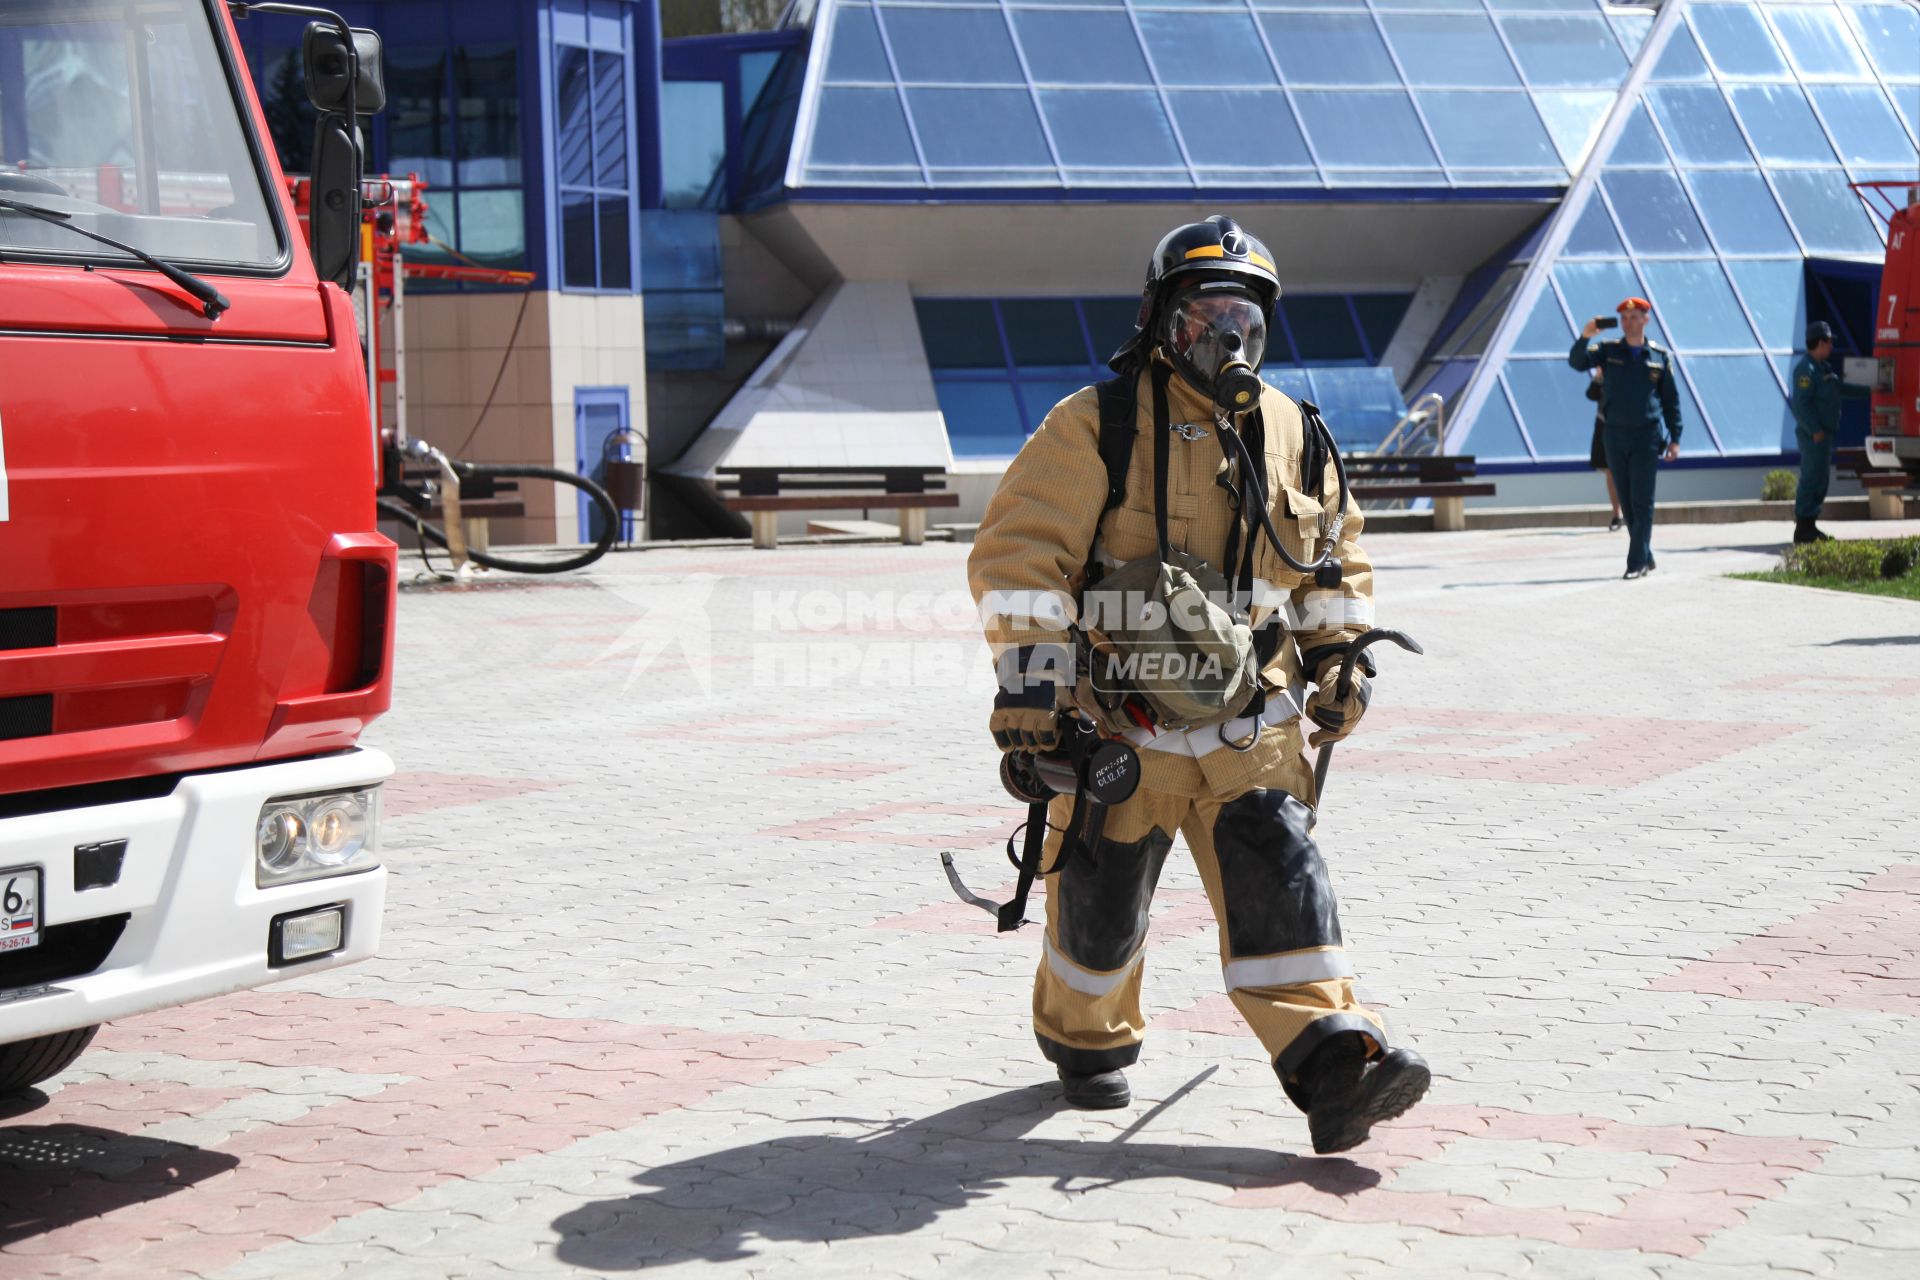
column 190, row 920
column 1894, row 451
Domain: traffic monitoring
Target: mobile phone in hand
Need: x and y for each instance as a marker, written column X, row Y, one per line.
column 1606, row 322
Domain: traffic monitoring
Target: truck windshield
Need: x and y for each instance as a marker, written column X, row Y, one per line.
column 120, row 114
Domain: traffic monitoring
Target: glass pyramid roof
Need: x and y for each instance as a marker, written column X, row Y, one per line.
column 1722, row 171
column 1208, row 94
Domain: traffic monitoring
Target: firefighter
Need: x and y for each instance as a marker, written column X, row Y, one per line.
column 1816, row 419
column 1239, row 791
column 1636, row 393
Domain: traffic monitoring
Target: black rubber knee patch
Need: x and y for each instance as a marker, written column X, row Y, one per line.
column 1104, row 899
column 1277, row 894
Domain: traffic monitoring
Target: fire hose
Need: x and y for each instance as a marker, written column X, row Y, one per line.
column 409, row 505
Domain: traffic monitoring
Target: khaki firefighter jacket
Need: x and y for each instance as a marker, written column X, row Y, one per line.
column 1033, row 544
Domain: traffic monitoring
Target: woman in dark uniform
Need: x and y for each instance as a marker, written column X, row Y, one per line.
column 1597, row 455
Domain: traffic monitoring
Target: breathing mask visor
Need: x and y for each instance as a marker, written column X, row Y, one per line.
column 1217, row 334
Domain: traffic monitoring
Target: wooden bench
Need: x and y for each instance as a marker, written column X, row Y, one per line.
column 764, row 492
column 1883, row 485
column 1442, row 477
column 483, row 499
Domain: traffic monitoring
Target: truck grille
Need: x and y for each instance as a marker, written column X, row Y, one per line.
column 26, row 717
column 31, row 628
column 71, row 950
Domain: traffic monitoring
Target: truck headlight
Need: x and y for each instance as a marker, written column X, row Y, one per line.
column 310, row 837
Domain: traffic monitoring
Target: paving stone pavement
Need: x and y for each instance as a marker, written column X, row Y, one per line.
column 671, row 978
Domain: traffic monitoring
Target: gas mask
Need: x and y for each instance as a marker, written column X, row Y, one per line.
column 1217, row 335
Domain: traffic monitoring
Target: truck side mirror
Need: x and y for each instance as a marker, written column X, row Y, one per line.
column 333, row 220
column 333, row 214
column 324, row 51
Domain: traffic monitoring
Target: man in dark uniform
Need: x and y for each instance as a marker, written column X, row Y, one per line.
column 1816, row 420
column 1636, row 393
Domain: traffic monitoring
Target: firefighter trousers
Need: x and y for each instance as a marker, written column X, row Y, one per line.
column 1281, row 956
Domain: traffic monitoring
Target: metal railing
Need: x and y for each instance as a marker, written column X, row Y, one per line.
column 1419, row 433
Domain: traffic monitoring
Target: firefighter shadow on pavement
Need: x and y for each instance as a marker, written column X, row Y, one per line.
column 898, row 1178
column 53, row 1176
column 1871, row 641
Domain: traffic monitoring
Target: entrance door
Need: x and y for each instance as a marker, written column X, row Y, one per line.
column 598, row 412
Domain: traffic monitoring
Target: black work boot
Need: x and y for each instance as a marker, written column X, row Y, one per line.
column 1099, row 1091
column 1347, row 1094
column 1804, row 532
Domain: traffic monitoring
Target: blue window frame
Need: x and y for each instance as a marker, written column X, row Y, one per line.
column 1697, row 306
column 1654, row 211
column 1891, row 35
column 593, row 167
column 1781, row 124
column 1365, row 130
column 1737, row 42
column 1699, row 127
column 1863, row 124
column 1488, row 130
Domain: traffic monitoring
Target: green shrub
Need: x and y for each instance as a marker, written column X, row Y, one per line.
column 1848, row 559
column 1779, row 486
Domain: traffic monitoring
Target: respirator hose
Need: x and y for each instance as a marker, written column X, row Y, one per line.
column 1230, row 439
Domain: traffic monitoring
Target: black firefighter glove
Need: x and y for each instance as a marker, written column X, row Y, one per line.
column 1025, row 711
column 1334, row 715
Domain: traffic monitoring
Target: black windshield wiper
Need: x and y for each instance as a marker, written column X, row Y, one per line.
column 212, row 301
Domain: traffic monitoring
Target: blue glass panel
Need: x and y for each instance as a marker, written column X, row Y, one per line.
column 1485, row 129
column 1781, row 124
column 1818, row 42
column 1239, row 127
column 1109, row 127
column 1291, row 379
column 1776, row 296
column 1829, row 217
column 684, row 331
column 1698, row 125
column 1208, row 49
column 969, row 46
column 1573, row 119
column 1862, row 124
column 1593, row 236
column 990, row 127
column 1361, row 405
column 1891, row 34
column 1596, row 288
column 1546, row 332
column 1044, row 332
column 609, row 120
column 693, row 140
column 1697, row 306
column 573, row 93
column 1632, row 28
column 1638, row 143
column 1906, row 98
column 1449, row 49
column 959, row 333
column 860, row 127
column 1495, row 434
column 1380, row 316
column 1553, row 403
column 1741, row 213
column 1329, row 48
column 1567, row 50
column 1040, row 395
column 1654, row 212
column 1681, row 59
column 856, row 52
column 1737, row 42
column 1109, row 322
column 1748, row 408
column 1364, row 129
column 983, row 420
column 1080, row 48
column 1322, row 327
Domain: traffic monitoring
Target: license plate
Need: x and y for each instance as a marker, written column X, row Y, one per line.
column 19, row 908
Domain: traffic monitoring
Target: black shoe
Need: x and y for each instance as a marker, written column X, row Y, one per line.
column 1819, row 535
column 1651, row 566
column 1101, row 1091
column 1350, row 1094
column 1631, row 574
column 1616, row 525
column 1804, row 532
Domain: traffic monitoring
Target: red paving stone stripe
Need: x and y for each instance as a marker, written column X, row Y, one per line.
column 128, row 1105
column 838, row 770
column 1861, row 951
column 1716, row 1180
column 1584, row 751
column 410, row 793
column 487, row 1089
column 1824, row 686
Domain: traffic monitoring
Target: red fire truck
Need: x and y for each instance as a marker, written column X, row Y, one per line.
column 196, row 609
column 1894, row 438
